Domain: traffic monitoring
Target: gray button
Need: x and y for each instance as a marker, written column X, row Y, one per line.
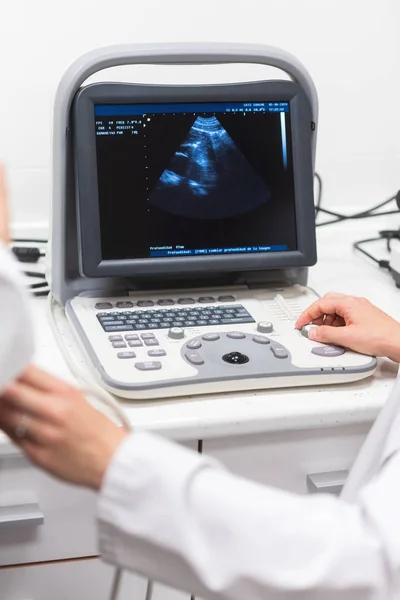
column 176, row 333
column 328, row 351
column 279, row 352
column 150, row 365
column 111, row 328
column 125, row 304
column 194, row 358
column 158, row 352
column 116, row 338
column 103, row 305
column 126, row 354
column 194, row 345
column 304, row 330
column 236, row 335
column 119, row 344
column 210, row 337
column 145, row 303
column 145, row 336
column 186, row 301
column 151, row 342
column 134, row 343
column 260, row 339
column 132, row 336
column 226, row 298
column 265, row 327
column 165, row 302
column 206, row 299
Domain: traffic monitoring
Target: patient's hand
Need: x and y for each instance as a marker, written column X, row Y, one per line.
column 62, row 433
column 354, row 323
column 4, row 223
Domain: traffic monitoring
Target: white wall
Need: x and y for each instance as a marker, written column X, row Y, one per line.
column 349, row 46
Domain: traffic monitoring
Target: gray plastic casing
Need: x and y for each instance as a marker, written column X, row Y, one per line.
column 66, row 278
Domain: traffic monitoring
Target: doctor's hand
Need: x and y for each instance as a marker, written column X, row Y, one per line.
column 57, row 429
column 354, row 323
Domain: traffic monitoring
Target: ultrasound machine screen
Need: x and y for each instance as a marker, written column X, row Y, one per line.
column 194, row 179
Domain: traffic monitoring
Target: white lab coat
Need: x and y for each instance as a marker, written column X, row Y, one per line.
column 180, row 518
column 16, row 338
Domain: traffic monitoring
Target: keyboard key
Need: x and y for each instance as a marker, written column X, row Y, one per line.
column 165, row 302
column 145, row 303
column 236, row 335
column 260, row 339
column 189, row 324
column 134, row 343
column 125, row 304
column 150, row 365
column 103, row 305
column 210, row 337
column 119, row 344
column 233, row 320
column 194, row 357
column 279, row 352
column 139, row 326
column 158, row 352
column 110, row 328
column 226, row 298
column 186, row 301
column 130, row 336
column 151, row 342
column 116, row 338
column 206, row 299
column 194, row 345
column 147, row 335
column 126, row 354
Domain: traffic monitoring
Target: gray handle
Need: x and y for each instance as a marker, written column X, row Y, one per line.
column 331, row 482
column 27, row 515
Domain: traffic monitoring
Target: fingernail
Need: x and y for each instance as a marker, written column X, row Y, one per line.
column 312, row 334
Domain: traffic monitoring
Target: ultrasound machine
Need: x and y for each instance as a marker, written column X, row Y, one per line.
column 183, row 226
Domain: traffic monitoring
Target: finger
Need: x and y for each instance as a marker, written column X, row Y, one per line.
column 11, row 420
column 334, row 295
column 329, row 320
column 319, row 321
column 322, row 307
column 329, row 335
column 37, row 378
column 338, row 322
column 29, row 400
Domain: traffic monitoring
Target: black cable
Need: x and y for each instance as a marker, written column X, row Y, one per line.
column 34, row 274
column 384, row 264
column 319, row 196
column 35, row 286
column 366, row 216
column 28, row 241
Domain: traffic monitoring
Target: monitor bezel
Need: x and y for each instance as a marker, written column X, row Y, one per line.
column 86, row 187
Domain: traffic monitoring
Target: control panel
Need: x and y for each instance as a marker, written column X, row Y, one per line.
column 173, row 345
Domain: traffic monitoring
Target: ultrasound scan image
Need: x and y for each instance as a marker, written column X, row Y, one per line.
column 208, row 177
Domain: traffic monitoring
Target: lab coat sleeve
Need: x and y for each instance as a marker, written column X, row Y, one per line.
column 16, row 335
column 179, row 518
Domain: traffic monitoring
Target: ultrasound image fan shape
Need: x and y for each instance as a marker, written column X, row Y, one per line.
column 208, row 177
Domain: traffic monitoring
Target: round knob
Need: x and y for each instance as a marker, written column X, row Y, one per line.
column 306, row 328
column 265, row 327
column 176, row 333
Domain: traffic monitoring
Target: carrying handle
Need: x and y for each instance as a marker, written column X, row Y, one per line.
column 179, row 54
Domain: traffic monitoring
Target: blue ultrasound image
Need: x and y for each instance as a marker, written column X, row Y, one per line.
column 208, row 177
